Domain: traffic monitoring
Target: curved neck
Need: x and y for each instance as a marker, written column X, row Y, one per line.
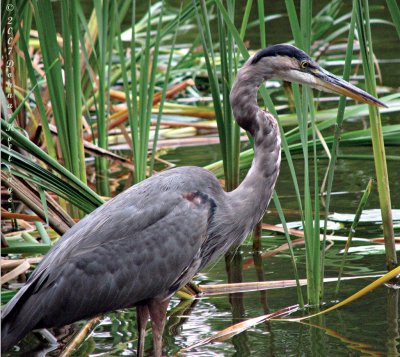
column 252, row 196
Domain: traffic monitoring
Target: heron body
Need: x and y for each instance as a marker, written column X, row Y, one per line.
column 139, row 248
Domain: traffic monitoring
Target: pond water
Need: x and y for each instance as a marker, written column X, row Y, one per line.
column 369, row 326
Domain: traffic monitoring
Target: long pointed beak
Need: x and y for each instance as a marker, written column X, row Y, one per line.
column 329, row 82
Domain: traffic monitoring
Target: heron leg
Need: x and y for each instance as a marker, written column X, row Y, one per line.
column 142, row 316
column 158, row 311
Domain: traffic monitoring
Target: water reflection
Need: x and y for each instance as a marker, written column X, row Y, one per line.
column 392, row 314
column 234, row 264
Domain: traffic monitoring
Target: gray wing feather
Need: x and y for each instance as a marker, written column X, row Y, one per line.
column 116, row 258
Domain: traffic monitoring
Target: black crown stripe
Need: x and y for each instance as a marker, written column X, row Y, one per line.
column 280, row 50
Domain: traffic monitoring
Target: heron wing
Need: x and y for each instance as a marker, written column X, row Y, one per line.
column 128, row 256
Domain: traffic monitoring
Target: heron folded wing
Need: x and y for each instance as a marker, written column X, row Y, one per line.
column 136, row 262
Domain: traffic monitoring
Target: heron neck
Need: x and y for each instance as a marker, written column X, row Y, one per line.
column 252, row 196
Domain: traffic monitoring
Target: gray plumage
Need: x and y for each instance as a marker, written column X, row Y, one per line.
column 149, row 241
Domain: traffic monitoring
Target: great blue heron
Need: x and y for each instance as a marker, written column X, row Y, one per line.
column 142, row 246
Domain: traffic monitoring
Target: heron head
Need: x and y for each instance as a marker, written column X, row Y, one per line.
column 294, row 65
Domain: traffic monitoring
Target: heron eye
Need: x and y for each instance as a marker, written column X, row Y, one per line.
column 304, row 64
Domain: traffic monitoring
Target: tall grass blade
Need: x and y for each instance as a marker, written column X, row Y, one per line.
column 47, row 35
column 133, row 115
column 294, row 23
column 205, row 36
column 365, row 40
column 63, row 82
column 395, row 12
column 304, row 109
column 263, row 39
column 151, row 90
column 102, row 14
column 143, row 88
column 338, row 128
column 163, row 96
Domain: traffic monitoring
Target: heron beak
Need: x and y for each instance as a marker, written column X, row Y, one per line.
column 329, row 82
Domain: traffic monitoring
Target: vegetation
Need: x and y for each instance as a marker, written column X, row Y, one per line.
column 97, row 95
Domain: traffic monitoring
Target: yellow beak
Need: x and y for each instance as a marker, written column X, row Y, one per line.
column 329, row 82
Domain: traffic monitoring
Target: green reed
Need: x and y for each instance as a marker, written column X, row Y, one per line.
column 361, row 9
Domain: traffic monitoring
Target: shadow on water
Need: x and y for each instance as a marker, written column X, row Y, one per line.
column 392, row 314
column 234, row 263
